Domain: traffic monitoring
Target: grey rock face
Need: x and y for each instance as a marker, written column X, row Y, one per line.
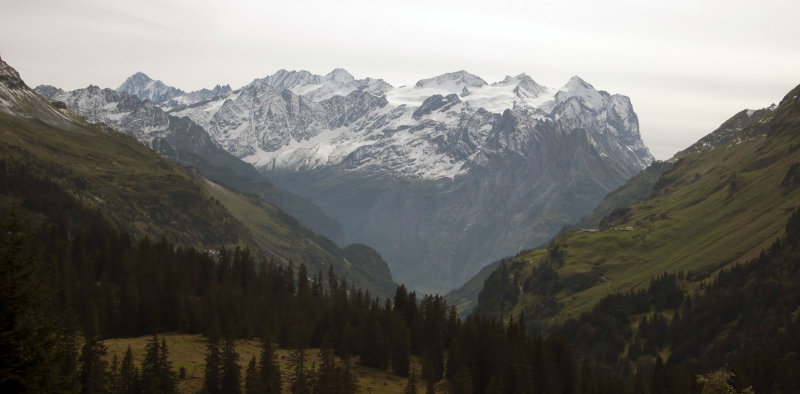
column 436, row 103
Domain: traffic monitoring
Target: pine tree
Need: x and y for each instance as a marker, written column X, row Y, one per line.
column 211, row 375
column 231, row 373
column 300, row 381
column 661, row 381
column 433, row 365
column 29, row 352
column 348, row 383
column 67, row 364
column 401, row 353
column 373, row 345
column 166, row 376
column 251, row 384
column 150, row 366
column 269, row 373
column 113, row 375
column 157, row 375
column 327, row 377
column 92, row 367
column 128, row 379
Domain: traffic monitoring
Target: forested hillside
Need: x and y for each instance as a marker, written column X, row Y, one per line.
column 697, row 272
column 144, row 195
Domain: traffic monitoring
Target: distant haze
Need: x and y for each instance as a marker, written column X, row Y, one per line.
column 686, row 65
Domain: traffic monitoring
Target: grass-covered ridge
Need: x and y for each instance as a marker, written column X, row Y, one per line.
column 713, row 208
column 112, row 173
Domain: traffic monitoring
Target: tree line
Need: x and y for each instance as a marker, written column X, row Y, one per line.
column 66, row 272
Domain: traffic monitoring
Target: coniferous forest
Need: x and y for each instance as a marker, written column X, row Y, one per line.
column 69, row 280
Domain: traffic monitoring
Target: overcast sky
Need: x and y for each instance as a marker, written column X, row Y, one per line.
column 686, row 65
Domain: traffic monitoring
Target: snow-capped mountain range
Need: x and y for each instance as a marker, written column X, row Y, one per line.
column 296, row 120
column 441, row 176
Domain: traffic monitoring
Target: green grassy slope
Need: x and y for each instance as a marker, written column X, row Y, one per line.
column 713, row 208
column 132, row 186
column 283, row 239
column 636, row 189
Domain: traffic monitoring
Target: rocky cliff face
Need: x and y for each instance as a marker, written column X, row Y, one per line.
column 442, row 176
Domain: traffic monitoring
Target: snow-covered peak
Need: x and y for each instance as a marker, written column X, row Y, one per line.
column 195, row 97
column 283, row 79
column 527, row 88
column 496, row 97
column 137, row 79
column 374, row 86
column 49, row 91
column 452, row 82
column 577, row 87
column 338, row 82
column 577, row 83
column 146, row 88
column 338, row 75
column 516, row 80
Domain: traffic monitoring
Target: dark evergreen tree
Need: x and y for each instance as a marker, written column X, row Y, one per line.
column 166, row 376
column 348, row 383
column 401, row 353
column 157, row 376
column 661, row 383
column 374, row 352
column 150, row 366
column 251, row 384
column 128, row 379
column 212, row 372
column 66, row 380
column 433, row 365
column 93, row 378
column 112, row 380
column 328, row 374
column 300, row 378
column 29, row 351
column 231, row 372
column 269, row 373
